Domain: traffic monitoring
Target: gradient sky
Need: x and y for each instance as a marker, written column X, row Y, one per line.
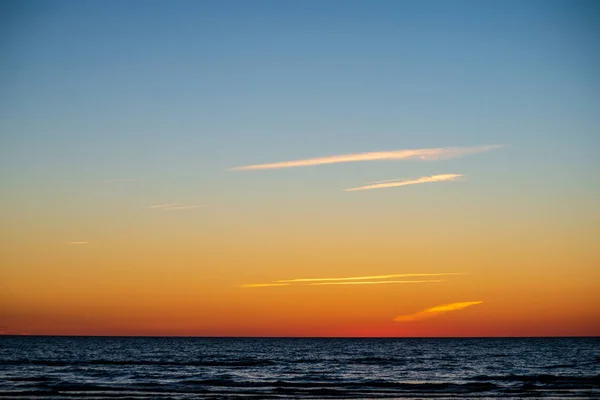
column 124, row 210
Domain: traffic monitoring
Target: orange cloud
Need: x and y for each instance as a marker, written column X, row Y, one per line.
column 371, row 283
column 352, row 280
column 435, row 311
column 368, row 277
column 254, row 285
column 404, row 182
column 419, row 154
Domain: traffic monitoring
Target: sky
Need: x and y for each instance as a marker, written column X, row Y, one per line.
column 300, row 168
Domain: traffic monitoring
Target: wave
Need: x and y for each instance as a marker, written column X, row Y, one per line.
column 377, row 361
column 213, row 388
column 557, row 366
column 201, row 363
column 206, row 363
column 593, row 380
column 30, row 379
column 400, row 386
column 359, row 360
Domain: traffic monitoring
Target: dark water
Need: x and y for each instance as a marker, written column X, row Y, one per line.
column 203, row 368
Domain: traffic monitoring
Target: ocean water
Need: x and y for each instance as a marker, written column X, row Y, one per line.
column 266, row 368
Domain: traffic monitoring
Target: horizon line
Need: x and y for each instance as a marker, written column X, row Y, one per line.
column 297, row 337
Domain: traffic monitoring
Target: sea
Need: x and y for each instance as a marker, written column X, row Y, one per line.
column 44, row 367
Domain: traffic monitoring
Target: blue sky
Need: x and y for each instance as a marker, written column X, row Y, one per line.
column 172, row 94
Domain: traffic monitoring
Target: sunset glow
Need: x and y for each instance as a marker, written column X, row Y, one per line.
column 300, row 168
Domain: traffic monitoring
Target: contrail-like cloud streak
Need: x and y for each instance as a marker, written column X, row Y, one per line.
column 255, row 285
column 435, row 311
column 405, row 182
column 182, row 208
column 163, row 205
column 351, row 278
column 419, row 154
column 372, row 282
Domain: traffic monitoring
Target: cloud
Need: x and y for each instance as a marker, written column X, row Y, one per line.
column 435, row 311
column 404, row 182
column 76, row 242
column 368, row 277
column 352, row 280
column 419, row 154
column 174, row 207
column 254, row 285
column 182, row 208
column 371, row 282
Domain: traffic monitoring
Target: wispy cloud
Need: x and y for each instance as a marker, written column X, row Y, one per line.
column 255, row 285
column 419, row 154
column 372, row 282
column 76, row 243
column 163, row 205
column 404, row 182
column 353, row 280
column 435, row 311
column 174, row 207
column 183, row 208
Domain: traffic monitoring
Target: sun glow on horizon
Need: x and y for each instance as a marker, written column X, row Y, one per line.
column 204, row 168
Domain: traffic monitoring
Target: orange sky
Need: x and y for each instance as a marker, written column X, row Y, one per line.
column 183, row 274
column 157, row 160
